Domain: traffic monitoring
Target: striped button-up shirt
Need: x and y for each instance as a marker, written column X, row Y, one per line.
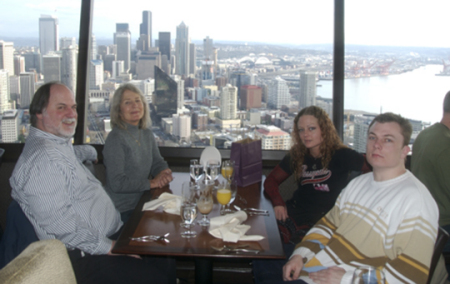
column 60, row 196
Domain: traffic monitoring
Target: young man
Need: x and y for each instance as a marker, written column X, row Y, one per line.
column 64, row 201
column 386, row 218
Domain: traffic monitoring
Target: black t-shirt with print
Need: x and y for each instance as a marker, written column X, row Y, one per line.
column 319, row 188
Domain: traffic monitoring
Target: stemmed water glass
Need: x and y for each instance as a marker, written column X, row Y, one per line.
column 205, row 201
column 196, row 170
column 213, row 170
column 188, row 196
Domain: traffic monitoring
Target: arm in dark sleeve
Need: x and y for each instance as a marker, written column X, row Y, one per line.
column 272, row 183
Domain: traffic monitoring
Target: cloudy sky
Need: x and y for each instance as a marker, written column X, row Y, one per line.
column 381, row 22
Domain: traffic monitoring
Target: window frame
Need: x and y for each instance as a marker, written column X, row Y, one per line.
column 179, row 156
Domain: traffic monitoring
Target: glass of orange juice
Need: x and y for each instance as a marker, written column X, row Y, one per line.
column 225, row 193
column 227, row 169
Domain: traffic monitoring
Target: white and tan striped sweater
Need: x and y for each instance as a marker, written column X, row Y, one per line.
column 391, row 224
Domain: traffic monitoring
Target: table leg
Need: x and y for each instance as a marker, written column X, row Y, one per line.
column 203, row 270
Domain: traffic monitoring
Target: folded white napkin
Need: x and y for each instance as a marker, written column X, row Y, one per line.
column 171, row 203
column 229, row 228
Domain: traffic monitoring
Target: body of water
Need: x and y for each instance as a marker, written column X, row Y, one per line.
column 417, row 94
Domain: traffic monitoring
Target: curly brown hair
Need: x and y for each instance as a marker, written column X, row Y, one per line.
column 331, row 141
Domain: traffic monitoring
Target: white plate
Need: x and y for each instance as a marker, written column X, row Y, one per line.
column 210, row 153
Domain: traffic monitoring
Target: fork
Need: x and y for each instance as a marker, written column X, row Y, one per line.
column 231, row 249
column 253, row 211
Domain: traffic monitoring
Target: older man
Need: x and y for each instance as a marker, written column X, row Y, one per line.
column 386, row 218
column 63, row 200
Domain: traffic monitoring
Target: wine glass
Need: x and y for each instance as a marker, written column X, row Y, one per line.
column 368, row 275
column 213, row 170
column 188, row 214
column 196, row 170
column 227, row 169
column 205, row 201
column 226, row 193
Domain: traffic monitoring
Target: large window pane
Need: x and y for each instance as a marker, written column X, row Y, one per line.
column 38, row 44
column 397, row 60
column 224, row 73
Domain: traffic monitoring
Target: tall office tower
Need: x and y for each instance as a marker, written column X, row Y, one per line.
column 108, row 62
column 251, row 97
column 208, row 71
column 51, row 67
column 19, row 64
column 7, row 56
column 32, row 61
column 146, row 62
column 199, row 121
column 228, row 102
column 117, row 68
column 122, row 38
column 102, row 50
column 208, row 52
column 278, row 93
column 273, row 138
column 192, row 59
column 180, row 91
column 145, row 32
column 164, row 44
column 360, row 132
column 10, row 126
column 165, row 65
column 221, row 82
column 95, row 74
column 181, row 127
column 5, row 91
column 27, row 83
column 165, row 97
column 48, row 34
column 66, row 42
column 173, row 64
column 93, row 47
column 69, row 67
column 14, row 90
column 307, row 89
column 182, row 43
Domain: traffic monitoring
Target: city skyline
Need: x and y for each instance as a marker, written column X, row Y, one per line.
column 393, row 23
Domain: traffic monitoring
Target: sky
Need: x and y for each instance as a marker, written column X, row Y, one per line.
column 294, row 22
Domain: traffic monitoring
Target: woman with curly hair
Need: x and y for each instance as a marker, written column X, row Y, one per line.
column 322, row 166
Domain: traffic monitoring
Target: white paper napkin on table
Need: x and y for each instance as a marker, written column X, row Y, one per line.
column 171, row 203
column 230, row 228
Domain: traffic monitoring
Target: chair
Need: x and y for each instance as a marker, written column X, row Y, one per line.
column 18, row 234
column 43, row 261
column 441, row 240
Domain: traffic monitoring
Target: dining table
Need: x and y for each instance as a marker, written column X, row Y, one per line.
column 200, row 248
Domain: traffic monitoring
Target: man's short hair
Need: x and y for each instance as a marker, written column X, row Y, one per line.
column 40, row 101
column 447, row 102
column 405, row 125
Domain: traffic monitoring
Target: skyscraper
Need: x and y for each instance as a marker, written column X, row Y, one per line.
column 251, row 97
column 4, row 91
column 69, row 67
column 228, row 102
column 7, row 56
column 19, row 64
column 66, row 42
column 32, row 61
column 307, row 89
column 146, row 62
column 95, row 74
column 10, row 126
column 182, row 50
column 208, row 53
column 164, row 101
column 93, row 47
column 164, row 47
column 145, row 31
column 51, row 67
column 278, row 93
column 192, row 58
column 27, row 84
column 48, row 34
column 122, row 38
